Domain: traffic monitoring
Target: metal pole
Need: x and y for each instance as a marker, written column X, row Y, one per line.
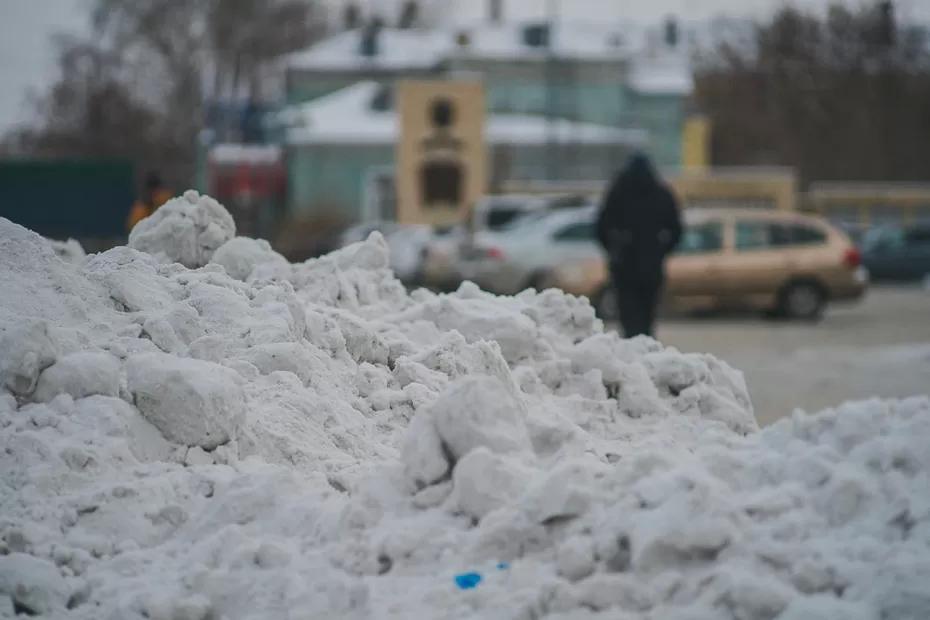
column 552, row 138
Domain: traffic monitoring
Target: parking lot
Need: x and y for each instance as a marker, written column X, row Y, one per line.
column 878, row 347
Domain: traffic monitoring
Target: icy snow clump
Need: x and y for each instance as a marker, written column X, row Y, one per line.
column 186, row 230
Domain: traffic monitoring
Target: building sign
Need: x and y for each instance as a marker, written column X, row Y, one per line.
column 441, row 156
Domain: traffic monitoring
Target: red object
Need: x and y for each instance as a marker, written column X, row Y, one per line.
column 495, row 253
column 852, row 258
column 242, row 179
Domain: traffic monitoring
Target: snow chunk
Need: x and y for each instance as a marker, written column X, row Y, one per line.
column 563, row 493
column 25, row 351
column 824, row 607
column 282, row 356
column 424, row 457
column 242, row 257
column 69, row 251
column 34, row 585
column 575, row 558
column 191, row 402
column 186, row 230
column 79, row 375
column 482, row 319
column 701, row 385
column 480, row 411
column 483, row 481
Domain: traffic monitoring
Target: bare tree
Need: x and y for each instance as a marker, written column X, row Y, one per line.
column 843, row 97
column 246, row 34
column 136, row 87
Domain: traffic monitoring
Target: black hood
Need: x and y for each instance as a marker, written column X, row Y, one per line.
column 638, row 173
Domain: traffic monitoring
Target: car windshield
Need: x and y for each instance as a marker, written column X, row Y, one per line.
column 524, row 219
column 501, row 218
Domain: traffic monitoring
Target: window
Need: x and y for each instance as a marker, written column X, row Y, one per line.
column 883, row 239
column 806, row 235
column 583, row 231
column 500, row 217
column 753, row 236
column 761, row 235
column 919, row 235
column 701, row 238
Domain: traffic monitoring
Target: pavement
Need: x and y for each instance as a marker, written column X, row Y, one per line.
column 879, row 346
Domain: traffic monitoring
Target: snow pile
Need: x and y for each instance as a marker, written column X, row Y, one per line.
column 187, row 230
column 254, row 439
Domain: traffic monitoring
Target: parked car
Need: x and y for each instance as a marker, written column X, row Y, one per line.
column 897, row 253
column 492, row 214
column 765, row 260
column 526, row 252
column 499, row 211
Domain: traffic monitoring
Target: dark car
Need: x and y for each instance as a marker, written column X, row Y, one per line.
column 897, row 253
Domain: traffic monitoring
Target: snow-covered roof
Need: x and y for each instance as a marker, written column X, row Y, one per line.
column 653, row 67
column 346, row 117
column 661, row 74
column 397, row 50
column 569, row 40
column 421, row 48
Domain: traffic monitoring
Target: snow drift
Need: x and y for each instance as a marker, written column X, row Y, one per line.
column 193, row 428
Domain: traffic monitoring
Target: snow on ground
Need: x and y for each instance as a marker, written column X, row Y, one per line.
column 311, row 441
column 878, row 346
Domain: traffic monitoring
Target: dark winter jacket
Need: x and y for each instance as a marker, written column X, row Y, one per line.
column 638, row 224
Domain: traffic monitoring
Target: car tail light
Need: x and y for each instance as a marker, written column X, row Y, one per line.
column 852, row 258
column 494, row 253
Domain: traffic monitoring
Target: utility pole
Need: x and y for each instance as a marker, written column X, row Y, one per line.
column 551, row 68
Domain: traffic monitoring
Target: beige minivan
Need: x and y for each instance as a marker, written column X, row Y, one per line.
column 783, row 262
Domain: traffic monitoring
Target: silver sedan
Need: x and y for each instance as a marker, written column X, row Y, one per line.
column 524, row 254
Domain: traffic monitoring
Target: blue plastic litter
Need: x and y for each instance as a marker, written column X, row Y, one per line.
column 467, row 581
column 503, row 566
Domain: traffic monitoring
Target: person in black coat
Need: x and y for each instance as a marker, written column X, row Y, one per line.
column 638, row 226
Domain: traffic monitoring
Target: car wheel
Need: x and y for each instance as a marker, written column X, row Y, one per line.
column 803, row 300
column 605, row 304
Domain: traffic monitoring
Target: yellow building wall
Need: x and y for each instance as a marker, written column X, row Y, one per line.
column 734, row 188
column 441, row 154
column 695, row 143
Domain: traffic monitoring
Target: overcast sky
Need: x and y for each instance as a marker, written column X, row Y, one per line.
column 28, row 60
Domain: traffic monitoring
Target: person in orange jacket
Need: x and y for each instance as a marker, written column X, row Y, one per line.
column 156, row 194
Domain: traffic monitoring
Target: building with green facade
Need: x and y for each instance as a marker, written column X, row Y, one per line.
column 341, row 147
column 565, row 102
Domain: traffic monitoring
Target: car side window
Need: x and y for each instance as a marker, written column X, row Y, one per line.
column 701, row 238
column 806, row 235
column 582, row 231
column 754, row 236
column 896, row 239
column 918, row 237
